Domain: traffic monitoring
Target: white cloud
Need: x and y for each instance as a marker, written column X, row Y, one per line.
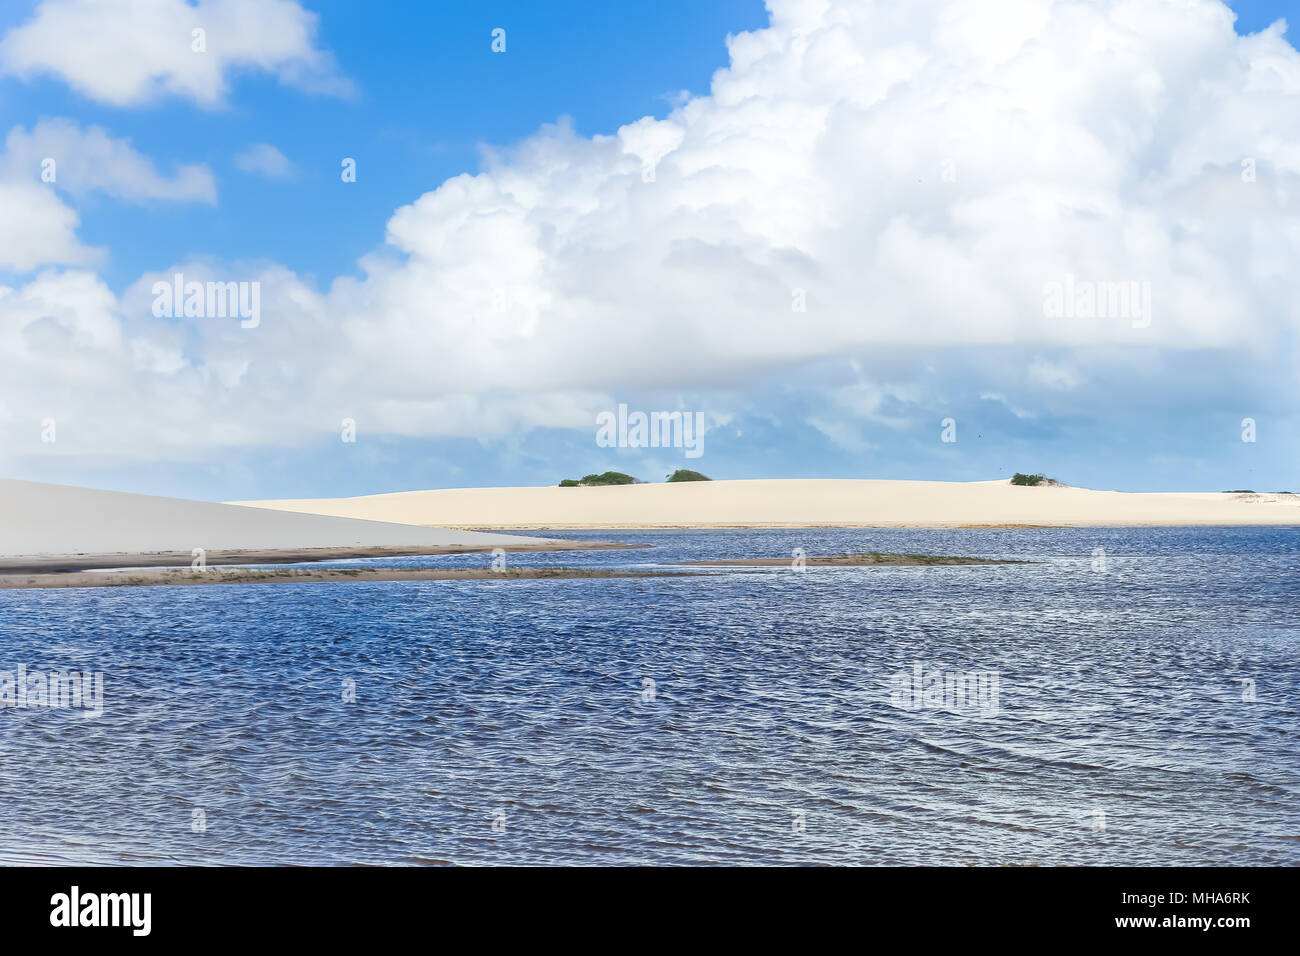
column 37, row 229
column 843, row 434
column 919, row 171
column 263, row 159
column 88, row 160
column 1002, row 400
column 1053, row 375
column 133, row 52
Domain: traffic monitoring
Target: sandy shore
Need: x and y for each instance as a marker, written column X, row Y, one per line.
column 140, row 576
column 871, row 559
column 802, row 503
column 57, row 527
column 41, row 564
column 186, row 576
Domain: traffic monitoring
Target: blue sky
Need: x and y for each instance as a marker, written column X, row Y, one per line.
column 414, row 93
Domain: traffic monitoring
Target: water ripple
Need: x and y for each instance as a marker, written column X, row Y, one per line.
column 747, row 717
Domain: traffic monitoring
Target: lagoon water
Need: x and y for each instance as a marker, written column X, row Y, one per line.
column 1146, row 713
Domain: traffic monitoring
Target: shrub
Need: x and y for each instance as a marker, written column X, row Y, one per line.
column 1022, row 479
column 685, row 474
column 606, row 478
column 609, row 478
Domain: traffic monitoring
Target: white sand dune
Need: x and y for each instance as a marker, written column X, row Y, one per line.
column 41, row 519
column 802, row 503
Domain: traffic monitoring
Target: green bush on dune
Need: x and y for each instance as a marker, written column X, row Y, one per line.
column 606, row 478
column 618, row 478
column 609, row 478
column 1020, row 478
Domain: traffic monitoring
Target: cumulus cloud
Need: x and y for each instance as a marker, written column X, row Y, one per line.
column 38, row 228
column 920, row 178
column 915, row 175
column 82, row 161
column 133, row 52
column 263, row 159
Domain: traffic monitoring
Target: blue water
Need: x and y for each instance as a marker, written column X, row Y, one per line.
column 513, row 721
